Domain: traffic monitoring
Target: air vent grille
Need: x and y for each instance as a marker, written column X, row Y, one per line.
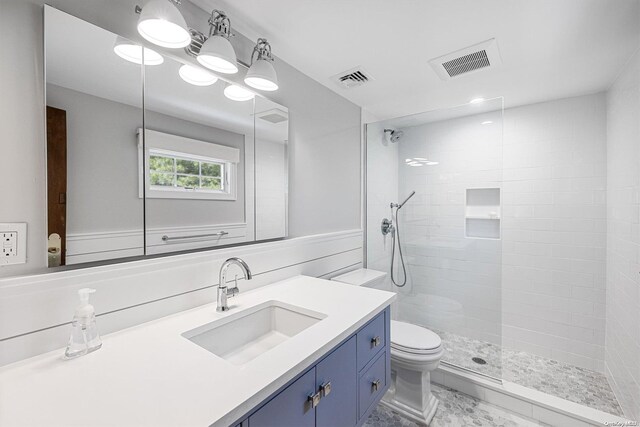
column 482, row 56
column 273, row 116
column 466, row 63
column 352, row 78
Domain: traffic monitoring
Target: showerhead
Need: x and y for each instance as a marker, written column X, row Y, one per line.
column 393, row 135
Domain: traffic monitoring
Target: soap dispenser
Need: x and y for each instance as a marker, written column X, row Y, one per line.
column 84, row 335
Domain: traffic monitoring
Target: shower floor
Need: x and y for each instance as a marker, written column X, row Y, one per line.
column 559, row 379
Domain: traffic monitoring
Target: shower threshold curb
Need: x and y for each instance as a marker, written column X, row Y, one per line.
column 524, row 401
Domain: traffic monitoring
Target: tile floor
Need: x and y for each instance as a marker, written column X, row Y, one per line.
column 559, row 379
column 455, row 409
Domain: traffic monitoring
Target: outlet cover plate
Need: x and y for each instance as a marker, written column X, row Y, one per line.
column 15, row 239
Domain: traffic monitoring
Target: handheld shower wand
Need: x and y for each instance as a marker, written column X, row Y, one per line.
column 388, row 227
column 399, row 206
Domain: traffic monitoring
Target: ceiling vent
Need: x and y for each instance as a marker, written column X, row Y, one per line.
column 352, row 78
column 465, row 61
column 274, row 116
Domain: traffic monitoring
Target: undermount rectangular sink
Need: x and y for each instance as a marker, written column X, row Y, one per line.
column 249, row 333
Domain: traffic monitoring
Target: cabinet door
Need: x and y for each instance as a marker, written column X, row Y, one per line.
column 290, row 408
column 338, row 406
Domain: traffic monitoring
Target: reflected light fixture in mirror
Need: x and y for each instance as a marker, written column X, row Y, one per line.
column 132, row 52
column 476, row 101
column 261, row 74
column 216, row 52
column 196, row 75
column 161, row 23
column 238, row 93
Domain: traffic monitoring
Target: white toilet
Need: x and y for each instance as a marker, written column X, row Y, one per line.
column 415, row 352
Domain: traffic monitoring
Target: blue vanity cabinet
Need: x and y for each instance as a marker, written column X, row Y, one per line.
column 338, row 374
column 289, row 408
column 347, row 384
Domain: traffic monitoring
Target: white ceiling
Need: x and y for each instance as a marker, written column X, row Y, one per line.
column 550, row 48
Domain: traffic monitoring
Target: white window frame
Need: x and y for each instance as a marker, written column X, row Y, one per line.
column 168, row 145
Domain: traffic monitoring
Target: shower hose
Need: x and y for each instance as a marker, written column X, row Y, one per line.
column 396, row 236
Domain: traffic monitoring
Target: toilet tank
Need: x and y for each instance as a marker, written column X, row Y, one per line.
column 362, row 277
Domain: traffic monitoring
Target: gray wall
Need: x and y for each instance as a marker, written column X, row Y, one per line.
column 324, row 133
column 103, row 167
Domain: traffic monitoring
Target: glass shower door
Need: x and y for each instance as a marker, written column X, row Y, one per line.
column 449, row 232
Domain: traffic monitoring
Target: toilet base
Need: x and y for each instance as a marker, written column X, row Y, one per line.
column 420, row 417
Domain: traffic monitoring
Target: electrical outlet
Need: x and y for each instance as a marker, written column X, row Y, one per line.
column 9, row 244
column 13, row 243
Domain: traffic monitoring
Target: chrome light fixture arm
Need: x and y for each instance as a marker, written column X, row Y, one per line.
column 219, row 24
column 262, row 50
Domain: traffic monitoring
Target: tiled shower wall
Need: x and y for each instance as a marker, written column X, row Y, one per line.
column 454, row 281
column 623, row 245
column 554, row 230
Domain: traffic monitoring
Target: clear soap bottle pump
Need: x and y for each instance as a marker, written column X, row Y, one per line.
column 84, row 335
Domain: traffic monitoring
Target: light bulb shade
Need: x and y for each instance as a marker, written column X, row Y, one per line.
column 161, row 23
column 262, row 75
column 217, row 54
column 238, row 93
column 132, row 52
column 196, row 75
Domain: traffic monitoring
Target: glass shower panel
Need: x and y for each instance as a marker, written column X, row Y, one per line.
column 448, row 235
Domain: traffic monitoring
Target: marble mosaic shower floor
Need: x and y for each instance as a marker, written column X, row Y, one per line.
column 455, row 409
column 559, row 379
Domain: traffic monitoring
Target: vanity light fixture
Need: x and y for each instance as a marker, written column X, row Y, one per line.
column 238, row 93
column 132, row 52
column 196, row 75
column 261, row 74
column 216, row 52
column 161, row 23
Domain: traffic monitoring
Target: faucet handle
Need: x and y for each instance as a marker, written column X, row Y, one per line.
column 232, row 292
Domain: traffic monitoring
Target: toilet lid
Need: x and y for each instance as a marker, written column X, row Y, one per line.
column 413, row 338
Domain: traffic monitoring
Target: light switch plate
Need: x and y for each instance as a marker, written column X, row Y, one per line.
column 13, row 243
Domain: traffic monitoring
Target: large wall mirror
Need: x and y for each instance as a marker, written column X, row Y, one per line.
column 150, row 156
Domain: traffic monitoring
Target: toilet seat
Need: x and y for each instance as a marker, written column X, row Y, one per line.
column 413, row 339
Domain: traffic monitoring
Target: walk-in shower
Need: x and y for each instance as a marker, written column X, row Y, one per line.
column 502, row 241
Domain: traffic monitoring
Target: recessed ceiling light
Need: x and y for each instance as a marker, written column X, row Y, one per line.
column 476, row 100
column 196, row 75
column 486, row 122
column 238, row 93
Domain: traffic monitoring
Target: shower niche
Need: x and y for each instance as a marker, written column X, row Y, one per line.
column 482, row 213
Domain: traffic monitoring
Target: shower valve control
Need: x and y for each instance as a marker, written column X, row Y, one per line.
column 387, row 226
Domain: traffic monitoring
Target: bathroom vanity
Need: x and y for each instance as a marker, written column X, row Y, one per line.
column 300, row 352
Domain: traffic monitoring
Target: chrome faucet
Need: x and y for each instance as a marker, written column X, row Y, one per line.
column 224, row 291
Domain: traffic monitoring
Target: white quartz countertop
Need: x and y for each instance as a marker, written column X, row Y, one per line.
column 150, row 375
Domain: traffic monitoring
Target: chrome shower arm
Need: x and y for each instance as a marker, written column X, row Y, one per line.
column 399, row 206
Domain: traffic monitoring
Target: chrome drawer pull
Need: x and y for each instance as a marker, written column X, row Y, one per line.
column 314, row 399
column 325, row 389
column 375, row 341
column 375, row 385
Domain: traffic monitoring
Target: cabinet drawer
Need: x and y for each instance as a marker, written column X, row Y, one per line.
column 372, row 384
column 371, row 339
